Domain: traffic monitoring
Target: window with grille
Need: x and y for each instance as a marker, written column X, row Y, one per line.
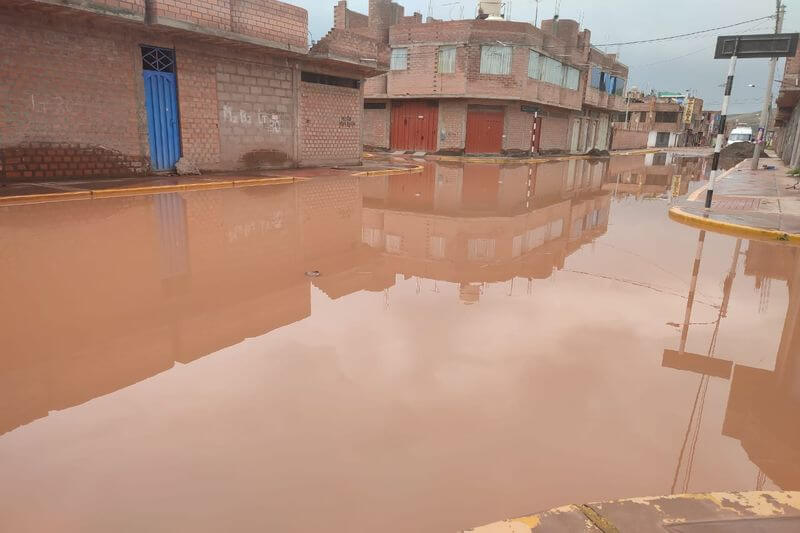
column 394, row 244
column 374, row 105
column 158, row 59
column 496, row 60
column 399, row 59
column 447, row 60
column 535, row 65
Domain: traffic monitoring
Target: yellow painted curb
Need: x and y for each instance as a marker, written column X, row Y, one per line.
column 45, row 197
column 263, row 181
column 203, row 186
column 734, row 230
column 137, row 191
column 411, row 170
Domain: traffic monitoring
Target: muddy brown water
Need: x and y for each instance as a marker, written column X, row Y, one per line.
column 477, row 346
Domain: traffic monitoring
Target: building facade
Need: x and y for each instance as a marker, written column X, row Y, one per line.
column 787, row 119
column 486, row 85
column 118, row 88
column 659, row 121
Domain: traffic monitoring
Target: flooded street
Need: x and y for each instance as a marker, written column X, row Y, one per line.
column 482, row 342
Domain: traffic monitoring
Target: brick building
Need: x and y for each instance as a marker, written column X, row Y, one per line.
column 479, row 86
column 115, row 88
column 659, row 121
column 787, row 119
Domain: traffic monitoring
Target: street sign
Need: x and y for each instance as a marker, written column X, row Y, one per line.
column 529, row 108
column 756, row 46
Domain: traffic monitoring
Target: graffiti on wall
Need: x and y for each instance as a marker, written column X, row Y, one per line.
column 263, row 119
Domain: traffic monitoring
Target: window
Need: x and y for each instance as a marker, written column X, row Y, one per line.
column 372, row 237
column 535, row 238
column 436, row 247
column 374, row 105
column 666, row 116
column 479, row 249
column 552, row 71
column 557, row 228
column 596, row 77
column 158, row 59
column 535, row 66
column 394, row 244
column 496, row 60
column 516, row 246
column 610, row 83
column 572, row 78
column 323, row 79
column 447, row 60
column 399, row 59
column 619, row 88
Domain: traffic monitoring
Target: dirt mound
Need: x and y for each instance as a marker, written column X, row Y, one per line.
column 737, row 152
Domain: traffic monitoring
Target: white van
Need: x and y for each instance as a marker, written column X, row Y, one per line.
column 741, row 134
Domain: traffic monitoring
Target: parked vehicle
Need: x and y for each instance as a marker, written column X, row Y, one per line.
column 740, row 134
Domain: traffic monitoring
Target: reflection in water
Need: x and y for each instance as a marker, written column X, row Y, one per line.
column 462, row 404
column 759, row 399
column 174, row 277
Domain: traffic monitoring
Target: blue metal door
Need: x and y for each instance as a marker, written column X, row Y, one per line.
column 161, row 101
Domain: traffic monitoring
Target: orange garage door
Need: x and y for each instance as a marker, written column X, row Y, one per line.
column 484, row 130
column 415, row 125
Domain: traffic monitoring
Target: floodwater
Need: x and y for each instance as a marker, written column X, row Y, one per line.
column 477, row 346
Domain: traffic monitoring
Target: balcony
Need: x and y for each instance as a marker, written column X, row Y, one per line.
column 603, row 100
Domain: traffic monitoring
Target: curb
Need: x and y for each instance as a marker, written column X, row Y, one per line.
column 531, row 160
column 412, row 170
column 143, row 190
column 734, row 230
column 725, row 175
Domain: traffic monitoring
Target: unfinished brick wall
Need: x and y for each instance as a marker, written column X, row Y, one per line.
column 197, row 83
column 452, row 124
column 627, row 140
column 376, row 127
column 518, row 129
column 61, row 116
column 555, row 133
column 256, row 112
column 270, row 20
column 330, row 123
column 214, row 14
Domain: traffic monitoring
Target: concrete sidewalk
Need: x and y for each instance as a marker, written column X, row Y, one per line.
column 753, row 204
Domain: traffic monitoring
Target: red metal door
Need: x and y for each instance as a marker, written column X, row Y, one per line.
column 415, row 125
column 484, row 131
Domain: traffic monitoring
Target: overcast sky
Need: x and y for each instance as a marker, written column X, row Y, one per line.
column 658, row 66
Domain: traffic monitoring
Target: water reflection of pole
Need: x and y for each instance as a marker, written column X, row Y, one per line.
column 700, row 398
column 692, row 290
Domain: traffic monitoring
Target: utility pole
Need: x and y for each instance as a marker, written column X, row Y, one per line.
column 767, row 108
column 721, row 128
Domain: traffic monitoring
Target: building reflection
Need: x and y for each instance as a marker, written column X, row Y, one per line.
column 654, row 175
column 109, row 293
column 762, row 403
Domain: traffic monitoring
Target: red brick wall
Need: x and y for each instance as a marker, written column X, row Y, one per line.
column 330, row 123
column 376, row 127
column 453, row 123
column 627, row 140
column 256, row 114
column 271, row 20
column 70, row 99
column 518, row 129
column 555, row 133
column 375, row 86
column 197, row 83
column 265, row 19
column 208, row 13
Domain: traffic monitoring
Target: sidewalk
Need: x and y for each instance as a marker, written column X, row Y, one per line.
column 733, row 512
column 87, row 189
column 752, row 204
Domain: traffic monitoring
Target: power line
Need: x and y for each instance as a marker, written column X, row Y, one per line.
column 686, row 34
